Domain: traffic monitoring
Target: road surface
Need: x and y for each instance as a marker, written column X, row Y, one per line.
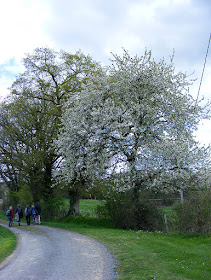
column 45, row 253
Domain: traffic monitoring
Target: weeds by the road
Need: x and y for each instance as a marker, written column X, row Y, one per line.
column 8, row 243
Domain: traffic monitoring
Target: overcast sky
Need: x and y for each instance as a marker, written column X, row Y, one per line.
column 99, row 27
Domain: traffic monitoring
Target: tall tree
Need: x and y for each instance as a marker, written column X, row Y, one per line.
column 40, row 93
column 24, row 142
column 137, row 122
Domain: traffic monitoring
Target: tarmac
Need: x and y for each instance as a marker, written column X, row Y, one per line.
column 45, row 253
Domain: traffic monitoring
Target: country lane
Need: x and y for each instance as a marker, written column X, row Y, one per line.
column 45, row 253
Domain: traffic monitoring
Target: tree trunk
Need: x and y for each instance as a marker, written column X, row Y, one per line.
column 136, row 192
column 137, row 182
column 74, row 197
column 47, row 178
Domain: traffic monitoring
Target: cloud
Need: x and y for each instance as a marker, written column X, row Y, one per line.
column 204, row 132
column 22, row 21
column 167, row 25
column 100, row 27
column 6, row 81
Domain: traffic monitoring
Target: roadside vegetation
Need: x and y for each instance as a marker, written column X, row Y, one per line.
column 8, row 243
column 148, row 255
column 141, row 254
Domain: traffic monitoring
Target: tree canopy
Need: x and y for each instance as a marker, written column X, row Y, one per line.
column 138, row 123
column 30, row 119
column 70, row 121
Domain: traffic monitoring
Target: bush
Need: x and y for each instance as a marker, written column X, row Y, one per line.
column 126, row 214
column 23, row 197
column 51, row 208
column 193, row 215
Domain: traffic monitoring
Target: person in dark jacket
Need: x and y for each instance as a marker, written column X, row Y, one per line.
column 19, row 213
column 10, row 217
column 38, row 213
column 33, row 214
column 28, row 214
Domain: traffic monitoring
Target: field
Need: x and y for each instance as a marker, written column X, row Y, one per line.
column 146, row 255
column 87, row 207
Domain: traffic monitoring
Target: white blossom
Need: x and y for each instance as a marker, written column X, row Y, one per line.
column 137, row 122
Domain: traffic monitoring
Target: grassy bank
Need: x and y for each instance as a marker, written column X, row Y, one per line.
column 8, row 243
column 147, row 256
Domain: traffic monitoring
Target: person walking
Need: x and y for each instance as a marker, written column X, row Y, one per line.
column 27, row 214
column 10, row 216
column 38, row 212
column 19, row 214
column 33, row 214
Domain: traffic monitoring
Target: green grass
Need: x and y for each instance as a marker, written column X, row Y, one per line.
column 8, row 243
column 3, row 215
column 87, row 206
column 147, row 256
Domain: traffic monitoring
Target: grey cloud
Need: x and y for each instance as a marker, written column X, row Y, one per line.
column 88, row 25
column 92, row 25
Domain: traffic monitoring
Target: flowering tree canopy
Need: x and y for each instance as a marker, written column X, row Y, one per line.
column 136, row 121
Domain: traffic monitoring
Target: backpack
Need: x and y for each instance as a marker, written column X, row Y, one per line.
column 8, row 212
column 20, row 212
column 27, row 211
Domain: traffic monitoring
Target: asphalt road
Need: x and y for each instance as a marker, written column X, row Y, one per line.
column 45, row 253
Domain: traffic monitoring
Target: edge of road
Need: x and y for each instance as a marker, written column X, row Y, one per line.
column 14, row 254
column 16, row 251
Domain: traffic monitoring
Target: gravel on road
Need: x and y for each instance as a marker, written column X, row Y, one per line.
column 45, row 253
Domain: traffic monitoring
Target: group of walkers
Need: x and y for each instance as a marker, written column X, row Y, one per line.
column 34, row 212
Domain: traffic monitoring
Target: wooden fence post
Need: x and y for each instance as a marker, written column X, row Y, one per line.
column 166, row 222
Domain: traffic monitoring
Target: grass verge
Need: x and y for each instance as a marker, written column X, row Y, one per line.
column 3, row 215
column 8, row 243
column 146, row 255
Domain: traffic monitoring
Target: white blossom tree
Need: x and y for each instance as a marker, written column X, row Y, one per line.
column 137, row 122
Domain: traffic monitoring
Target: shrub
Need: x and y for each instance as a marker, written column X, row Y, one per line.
column 23, row 197
column 51, row 208
column 193, row 215
column 126, row 214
